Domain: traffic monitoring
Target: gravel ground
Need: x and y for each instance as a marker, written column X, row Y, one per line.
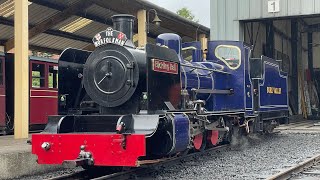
column 254, row 158
column 51, row 174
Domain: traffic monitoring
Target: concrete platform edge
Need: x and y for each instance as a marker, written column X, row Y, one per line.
column 19, row 164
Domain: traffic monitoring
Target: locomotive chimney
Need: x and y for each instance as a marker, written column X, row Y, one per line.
column 124, row 23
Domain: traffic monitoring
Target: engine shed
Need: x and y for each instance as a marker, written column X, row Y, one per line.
column 285, row 30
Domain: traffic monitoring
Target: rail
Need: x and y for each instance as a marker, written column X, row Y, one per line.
column 288, row 173
column 146, row 167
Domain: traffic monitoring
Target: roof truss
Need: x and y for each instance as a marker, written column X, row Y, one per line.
column 53, row 21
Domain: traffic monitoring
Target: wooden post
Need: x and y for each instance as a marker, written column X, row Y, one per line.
column 142, row 32
column 21, row 70
column 310, row 55
column 204, row 45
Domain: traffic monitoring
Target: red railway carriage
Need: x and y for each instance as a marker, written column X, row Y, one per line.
column 43, row 90
column 43, row 93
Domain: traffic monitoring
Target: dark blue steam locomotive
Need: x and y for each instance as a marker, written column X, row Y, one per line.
column 121, row 105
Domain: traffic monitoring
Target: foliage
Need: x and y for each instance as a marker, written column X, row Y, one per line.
column 50, row 82
column 186, row 13
column 36, row 79
column 42, row 54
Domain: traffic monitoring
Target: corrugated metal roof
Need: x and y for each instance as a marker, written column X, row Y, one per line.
column 106, row 13
column 6, row 32
column 91, row 30
column 41, row 10
column 38, row 13
column 7, row 8
column 56, row 42
column 2, row 1
column 65, row 22
column 64, row 2
column 88, row 31
column 76, row 25
column 100, row 11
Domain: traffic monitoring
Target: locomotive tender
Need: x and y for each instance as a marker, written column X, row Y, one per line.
column 121, row 105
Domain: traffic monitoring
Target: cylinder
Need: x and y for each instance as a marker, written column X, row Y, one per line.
column 124, row 23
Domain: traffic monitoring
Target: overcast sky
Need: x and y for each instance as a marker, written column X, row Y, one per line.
column 200, row 8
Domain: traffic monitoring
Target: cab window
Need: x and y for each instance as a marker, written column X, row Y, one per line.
column 187, row 53
column 53, row 77
column 38, row 75
column 230, row 55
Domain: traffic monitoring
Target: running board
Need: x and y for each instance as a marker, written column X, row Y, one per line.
column 213, row 91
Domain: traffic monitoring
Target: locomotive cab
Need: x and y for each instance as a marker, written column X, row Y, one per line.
column 192, row 52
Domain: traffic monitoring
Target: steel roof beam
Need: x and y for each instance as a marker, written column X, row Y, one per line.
column 5, row 21
column 53, row 21
column 57, row 7
column 83, row 14
column 44, row 49
column 51, row 32
column 36, row 48
column 68, row 35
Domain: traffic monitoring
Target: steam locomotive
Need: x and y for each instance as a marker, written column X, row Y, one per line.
column 122, row 106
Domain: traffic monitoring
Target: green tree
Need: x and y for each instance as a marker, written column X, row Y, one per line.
column 186, row 13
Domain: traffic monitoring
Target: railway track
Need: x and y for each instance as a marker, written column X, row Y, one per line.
column 147, row 167
column 303, row 170
column 75, row 175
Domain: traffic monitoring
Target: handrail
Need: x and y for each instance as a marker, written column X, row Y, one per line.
column 202, row 68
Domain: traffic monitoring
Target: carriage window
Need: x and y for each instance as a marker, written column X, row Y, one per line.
column 1, row 71
column 38, row 75
column 53, row 77
column 230, row 55
column 187, row 53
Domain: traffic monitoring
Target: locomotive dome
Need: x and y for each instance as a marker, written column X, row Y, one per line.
column 170, row 40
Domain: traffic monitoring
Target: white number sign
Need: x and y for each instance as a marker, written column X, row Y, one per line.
column 273, row 6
